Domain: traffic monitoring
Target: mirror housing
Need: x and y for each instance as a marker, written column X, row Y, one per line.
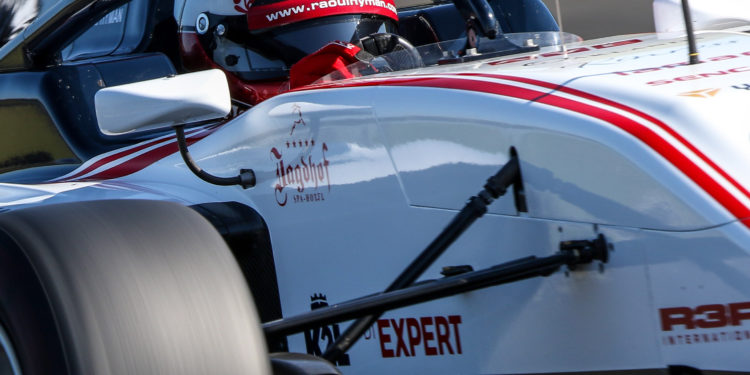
column 163, row 102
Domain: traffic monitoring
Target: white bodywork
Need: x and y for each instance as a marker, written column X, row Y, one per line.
column 705, row 14
column 620, row 137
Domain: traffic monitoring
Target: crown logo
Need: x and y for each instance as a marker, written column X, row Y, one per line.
column 318, row 298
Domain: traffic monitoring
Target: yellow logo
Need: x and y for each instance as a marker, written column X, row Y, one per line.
column 705, row 93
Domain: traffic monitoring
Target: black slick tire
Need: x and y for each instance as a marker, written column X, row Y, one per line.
column 124, row 287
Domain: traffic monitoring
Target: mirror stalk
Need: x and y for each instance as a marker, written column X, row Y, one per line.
column 246, row 178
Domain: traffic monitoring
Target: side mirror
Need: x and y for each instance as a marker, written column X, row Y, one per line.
column 163, row 102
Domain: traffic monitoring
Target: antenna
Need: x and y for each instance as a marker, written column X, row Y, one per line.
column 560, row 23
column 692, row 49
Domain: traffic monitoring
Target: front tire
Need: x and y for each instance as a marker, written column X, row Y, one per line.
column 123, row 287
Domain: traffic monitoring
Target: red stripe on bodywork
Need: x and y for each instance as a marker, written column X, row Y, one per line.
column 115, row 156
column 643, row 133
column 633, row 111
column 142, row 161
column 139, row 162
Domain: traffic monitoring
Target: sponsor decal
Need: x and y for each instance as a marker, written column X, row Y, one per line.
column 301, row 179
column 571, row 51
column 656, row 50
column 629, row 54
column 693, row 77
column 300, row 121
column 686, row 325
column 326, row 335
column 744, row 86
column 690, row 77
column 422, row 336
column 705, row 93
column 285, row 12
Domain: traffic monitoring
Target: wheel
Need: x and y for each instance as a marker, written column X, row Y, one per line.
column 122, row 287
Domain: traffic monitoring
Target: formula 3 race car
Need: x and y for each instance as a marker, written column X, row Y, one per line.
column 494, row 198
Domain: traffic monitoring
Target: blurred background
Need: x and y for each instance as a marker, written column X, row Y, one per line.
column 598, row 18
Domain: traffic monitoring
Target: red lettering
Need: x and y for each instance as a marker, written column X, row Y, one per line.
column 561, row 53
column 325, row 165
column 508, row 61
column 737, row 314
column 716, row 316
column 400, row 344
column 410, row 333
column 455, row 320
column 686, row 78
column 427, row 336
column 720, row 58
column 290, row 174
column 657, row 83
column 739, row 70
column 719, row 73
column 304, row 174
column 703, row 316
column 443, row 337
column 670, row 66
column 617, row 44
column 298, row 177
column 676, row 316
column 415, row 336
column 384, row 338
column 646, row 70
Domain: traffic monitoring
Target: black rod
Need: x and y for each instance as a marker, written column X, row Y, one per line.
column 692, row 49
column 375, row 305
column 246, row 178
column 474, row 209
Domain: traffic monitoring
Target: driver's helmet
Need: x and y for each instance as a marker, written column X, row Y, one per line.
column 256, row 42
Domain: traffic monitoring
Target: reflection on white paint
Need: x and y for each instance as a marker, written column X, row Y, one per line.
column 15, row 194
column 420, row 155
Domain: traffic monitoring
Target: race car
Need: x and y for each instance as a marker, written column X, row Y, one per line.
column 489, row 196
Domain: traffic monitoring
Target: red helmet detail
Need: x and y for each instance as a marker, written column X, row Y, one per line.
column 285, row 12
column 195, row 58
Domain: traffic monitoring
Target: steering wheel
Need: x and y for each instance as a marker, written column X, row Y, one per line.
column 397, row 50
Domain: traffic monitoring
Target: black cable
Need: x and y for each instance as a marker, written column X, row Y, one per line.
column 246, row 178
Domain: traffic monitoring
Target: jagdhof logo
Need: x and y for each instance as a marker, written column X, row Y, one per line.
column 325, row 336
column 300, row 166
column 300, row 175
